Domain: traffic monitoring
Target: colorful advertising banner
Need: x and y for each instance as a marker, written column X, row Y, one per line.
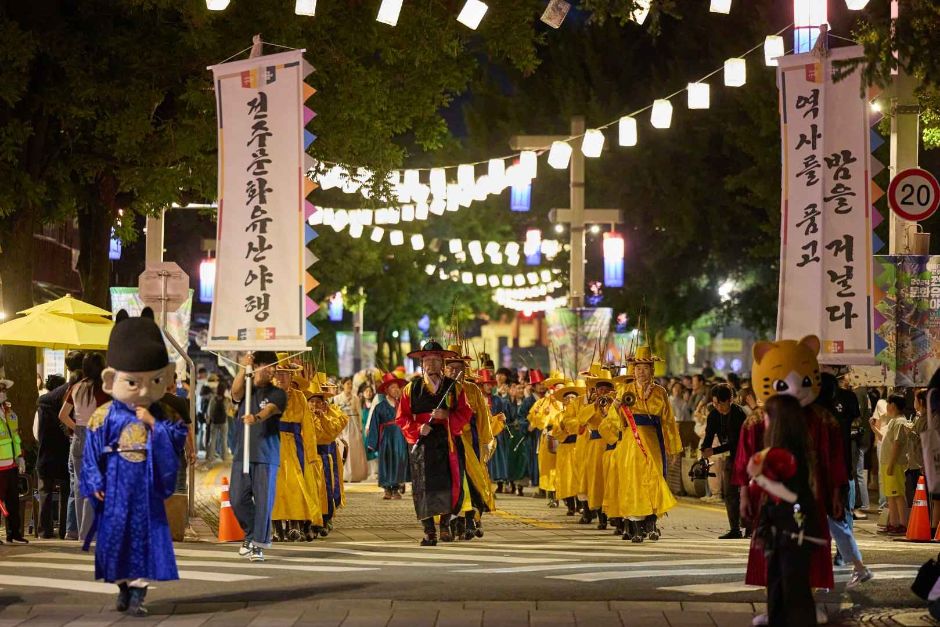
column 907, row 318
column 577, row 337
column 825, row 251
column 177, row 322
column 260, row 262
column 346, row 351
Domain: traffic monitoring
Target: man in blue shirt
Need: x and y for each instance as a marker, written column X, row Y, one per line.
column 252, row 494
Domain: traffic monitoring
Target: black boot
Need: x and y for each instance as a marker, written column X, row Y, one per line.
column 478, row 530
column 519, row 490
column 430, row 533
column 552, row 501
column 295, row 534
column 135, row 605
column 587, row 515
column 124, row 597
column 277, row 531
column 446, row 535
column 618, row 526
column 601, row 520
column 499, row 487
column 310, row 532
column 636, row 531
column 570, row 504
column 469, row 526
column 458, row 525
column 652, row 531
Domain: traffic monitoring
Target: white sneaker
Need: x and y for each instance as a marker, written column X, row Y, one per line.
column 858, row 578
column 256, row 554
column 245, row 548
column 760, row 619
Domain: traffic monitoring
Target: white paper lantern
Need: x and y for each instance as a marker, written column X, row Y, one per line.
column 494, row 280
column 438, row 179
column 438, row 206
column 217, row 5
column 856, row 5
column 407, row 213
column 355, row 230
column 305, row 7
column 519, row 280
column 532, row 277
column 429, row 269
column 559, row 155
column 417, row 241
column 420, row 192
column 421, row 211
column 546, row 276
column 773, row 48
column 472, row 13
column 481, row 189
column 627, row 131
column 377, row 233
column 465, row 176
column 467, row 277
column 593, row 143
column 699, row 95
column 454, row 246
column 393, row 216
column 661, row 115
column 412, row 179
column 481, row 280
column 512, row 248
column 496, row 170
column 507, row 280
column 529, row 163
column 735, row 72
column 388, row 12
column 396, row 238
column 513, row 260
column 720, row 6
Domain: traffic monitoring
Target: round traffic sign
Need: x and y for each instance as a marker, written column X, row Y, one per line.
column 914, row 194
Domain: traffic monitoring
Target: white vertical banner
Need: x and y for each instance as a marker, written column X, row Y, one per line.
column 259, row 278
column 826, row 225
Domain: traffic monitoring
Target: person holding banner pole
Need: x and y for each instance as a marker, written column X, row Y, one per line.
column 258, row 450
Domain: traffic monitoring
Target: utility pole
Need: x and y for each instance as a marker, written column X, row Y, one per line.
column 576, row 215
column 154, row 239
column 357, row 322
column 905, row 140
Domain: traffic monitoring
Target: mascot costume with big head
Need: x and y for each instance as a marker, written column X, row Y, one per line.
column 131, row 459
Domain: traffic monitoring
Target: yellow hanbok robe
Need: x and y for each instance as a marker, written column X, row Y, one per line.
column 292, row 497
column 568, row 466
column 655, row 422
column 327, row 426
column 481, row 429
column 636, row 486
column 542, row 416
column 592, row 473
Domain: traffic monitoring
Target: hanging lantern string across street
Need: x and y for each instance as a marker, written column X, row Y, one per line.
column 731, row 67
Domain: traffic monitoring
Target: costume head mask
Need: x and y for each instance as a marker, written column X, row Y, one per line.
column 139, row 369
column 787, row 367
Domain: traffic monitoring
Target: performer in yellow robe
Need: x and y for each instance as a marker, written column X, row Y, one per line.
column 324, row 472
column 649, row 436
column 475, row 439
column 601, row 385
column 567, row 466
column 543, row 416
column 293, row 503
column 611, row 469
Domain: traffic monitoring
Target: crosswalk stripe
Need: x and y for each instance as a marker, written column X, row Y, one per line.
column 195, row 575
column 610, row 565
column 566, row 549
column 313, row 560
column 708, row 589
column 699, row 572
column 65, row 584
column 429, row 554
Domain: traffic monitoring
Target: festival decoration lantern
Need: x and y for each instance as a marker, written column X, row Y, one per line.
column 334, row 309
column 305, row 7
column 720, row 6
column 417, row 241
column 207, row 280
column 627, row 131
column 613, row 259
column 735, row 72
column 699, row 95
column 396, row 238
column 217, row 5
column 593, row 143
column 773, row 48
column 388, row 12
column 808, row 15
column 472, row 13
column 661, row 115
column 559, row 154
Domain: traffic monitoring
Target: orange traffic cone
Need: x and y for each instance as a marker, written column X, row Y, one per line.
column 229, row 529
column 918, row 525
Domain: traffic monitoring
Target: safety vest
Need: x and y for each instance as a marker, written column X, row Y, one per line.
column 9, row 435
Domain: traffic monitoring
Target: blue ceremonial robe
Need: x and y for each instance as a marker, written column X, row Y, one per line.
column 135, row 467
column 517, row 442
column 387, row 440
column 499, row 462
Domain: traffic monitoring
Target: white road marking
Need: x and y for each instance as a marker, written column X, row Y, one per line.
column 62, row 584
column 679, row 572
column 610, row 565
column 184, row 574
column 429, row 554
column 708, row 589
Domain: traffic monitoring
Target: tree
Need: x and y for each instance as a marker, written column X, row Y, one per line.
column 107, row 106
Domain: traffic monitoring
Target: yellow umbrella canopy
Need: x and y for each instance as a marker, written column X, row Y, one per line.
column 56, row 331
column 71, row 307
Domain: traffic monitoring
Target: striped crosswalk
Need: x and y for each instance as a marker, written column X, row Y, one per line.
column 694, row 567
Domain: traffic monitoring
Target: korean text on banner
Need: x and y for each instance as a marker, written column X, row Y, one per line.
column 260, row 242
column 825, row 250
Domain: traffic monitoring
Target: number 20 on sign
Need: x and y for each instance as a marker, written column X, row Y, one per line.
column 914, row 194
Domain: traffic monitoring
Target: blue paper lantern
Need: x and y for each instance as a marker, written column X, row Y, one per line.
column 613, row 259
column 520, row 197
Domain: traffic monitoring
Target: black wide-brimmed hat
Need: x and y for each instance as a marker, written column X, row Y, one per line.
column 136, row 344
column 433, row 348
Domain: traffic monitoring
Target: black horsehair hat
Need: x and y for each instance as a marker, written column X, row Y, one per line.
column 136, row 344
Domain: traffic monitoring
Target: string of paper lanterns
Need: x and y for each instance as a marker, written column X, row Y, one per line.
column 407, row 185
column 470, row 16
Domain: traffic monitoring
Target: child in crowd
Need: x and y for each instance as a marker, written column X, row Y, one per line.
column 893, row 462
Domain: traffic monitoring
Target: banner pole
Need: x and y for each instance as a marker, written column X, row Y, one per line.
column 249, row 373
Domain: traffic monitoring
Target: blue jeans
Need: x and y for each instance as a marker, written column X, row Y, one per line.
column 71, row 520
column 841, row 532
column 252, row 498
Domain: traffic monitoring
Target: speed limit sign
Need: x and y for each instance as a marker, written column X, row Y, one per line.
column 914, row 194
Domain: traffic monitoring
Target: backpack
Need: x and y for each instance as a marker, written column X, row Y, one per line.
column 216, row 410
column 927, row 576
